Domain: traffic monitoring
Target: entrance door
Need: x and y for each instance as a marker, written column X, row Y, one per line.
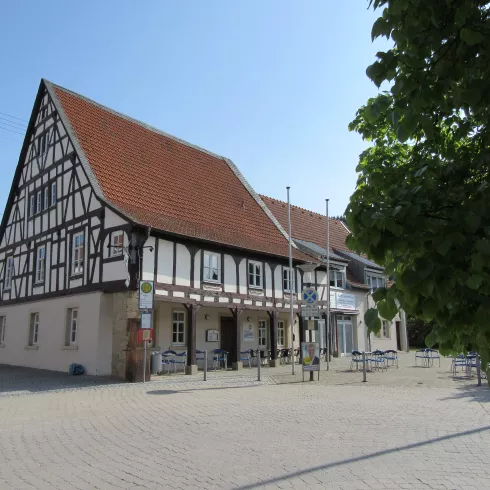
column 398, row 335
column 229, row 338
column 345, row 334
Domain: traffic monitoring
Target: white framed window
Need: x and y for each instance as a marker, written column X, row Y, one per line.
column 385, row 329
column 117, row 243
column 337, row 279
column 375, row 282
column 286, row 279
column 34, row 329
column 281, row 334
column 3, row 324
column 42, row 144
column 71, row 326
column 78, row 252
column 9, row 272
column 53, row 193
column 40, row 263
column 255, row 274
column 211, row 267
column 46, row 197
column 262, row 333
column 178, row 328
column 39, row 201
column 32, row 205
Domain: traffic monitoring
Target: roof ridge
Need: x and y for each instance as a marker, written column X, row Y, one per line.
column 133, row 120
column 299, row 207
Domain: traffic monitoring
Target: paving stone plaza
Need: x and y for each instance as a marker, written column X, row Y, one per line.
column 405, row 428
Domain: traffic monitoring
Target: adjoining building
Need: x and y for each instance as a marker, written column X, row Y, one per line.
column 100, row 200
column 353, row 278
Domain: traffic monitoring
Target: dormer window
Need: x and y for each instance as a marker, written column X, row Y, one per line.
column 337, row 279
column 374, row 282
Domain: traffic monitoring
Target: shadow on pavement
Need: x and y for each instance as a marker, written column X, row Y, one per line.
column 173, row 392
column 376, row 454
column 22, row 380
column 479, row 394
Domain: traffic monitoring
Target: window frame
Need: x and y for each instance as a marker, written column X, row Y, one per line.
column 77, row 266
column 255, row 263
column 9, row 272
column 54, row 190
column 281, row 331
column 33, row 340
column 262, row 328
column 335, row 273
column 207, row 266
column 385, row 329
column 380, row 281
column 46, row 197
column 32, row 204
column 116, row 250
column 39, row 278
column 286, row 272
column 69, row 330
column 39, row 201
column 42, row 144
column 177, row 333
column 3, row 326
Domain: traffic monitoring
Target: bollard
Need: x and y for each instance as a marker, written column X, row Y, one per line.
column 258, row 364
column 478, row 369
column 363, row 367
column 205, row 365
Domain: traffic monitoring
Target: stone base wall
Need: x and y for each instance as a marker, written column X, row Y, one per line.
column 125, row 307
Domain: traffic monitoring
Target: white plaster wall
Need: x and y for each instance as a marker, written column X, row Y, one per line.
column 165, row 261
column 104, row 346
column 112, row 219
column 278, row 282
column 52, row 323
column 149, row 259
column 243, row 276
column 197, row 270
column 230, row 274
column 268, row 280
column 183, row 266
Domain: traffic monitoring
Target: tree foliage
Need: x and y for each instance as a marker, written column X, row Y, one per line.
column 421, row 206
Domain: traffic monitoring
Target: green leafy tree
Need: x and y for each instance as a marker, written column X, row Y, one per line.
column 421, row 206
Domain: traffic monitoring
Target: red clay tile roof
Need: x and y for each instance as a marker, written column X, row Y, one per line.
column 168, row 184
column 307, row 225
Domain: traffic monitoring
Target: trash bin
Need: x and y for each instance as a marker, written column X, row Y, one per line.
column 156, row 362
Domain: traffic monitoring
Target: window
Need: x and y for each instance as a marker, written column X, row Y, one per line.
column 280, row 334
column 71, row 327
column 178, row 328
column 53, row 193
column 117, row 243
column 286, row 281
column 262, row 333
column 34, row 329
column 42, row 143
column 78, row 252
column 40, row 263
column 9, row 272
column 32, row 205
column 46, row 197
column 255, row 274
column 337, row 279
column 375, row 282
column 211, row 267
column 44, row 113
column 3, row 323
column 39, row 201
column 385, row 328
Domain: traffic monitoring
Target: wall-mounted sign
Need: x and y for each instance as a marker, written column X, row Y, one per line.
column 212, row 335
column 146, row 295
column 211, row 287
column 255, row 292
column 146, row 321
column 248, row 332
column 342, row 301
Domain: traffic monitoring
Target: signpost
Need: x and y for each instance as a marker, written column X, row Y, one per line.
column 310, row 311
column 146, row 302
column 309, row 296
column 310, row 358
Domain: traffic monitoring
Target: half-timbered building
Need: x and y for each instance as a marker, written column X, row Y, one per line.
column 99, row 201
column 353, row 278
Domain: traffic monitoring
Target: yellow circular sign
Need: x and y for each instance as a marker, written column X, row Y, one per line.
column 146, row 287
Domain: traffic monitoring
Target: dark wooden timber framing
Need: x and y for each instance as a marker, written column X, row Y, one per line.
column 273, row 332
column 237, row 314
column 192, row 310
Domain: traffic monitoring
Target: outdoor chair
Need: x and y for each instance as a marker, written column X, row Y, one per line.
column 246, row 356
column 391, row 355
column 356, row 359
column 422, row 354
column 459, row 361
column 377, row 360
column 167, row 359
column 220, row 358
column 433, row 354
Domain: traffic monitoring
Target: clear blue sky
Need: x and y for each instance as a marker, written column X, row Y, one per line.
column 270, row 84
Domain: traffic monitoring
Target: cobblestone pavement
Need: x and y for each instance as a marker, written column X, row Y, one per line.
column 233, row 432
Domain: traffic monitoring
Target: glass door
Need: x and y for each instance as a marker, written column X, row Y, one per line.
column 345, row 334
